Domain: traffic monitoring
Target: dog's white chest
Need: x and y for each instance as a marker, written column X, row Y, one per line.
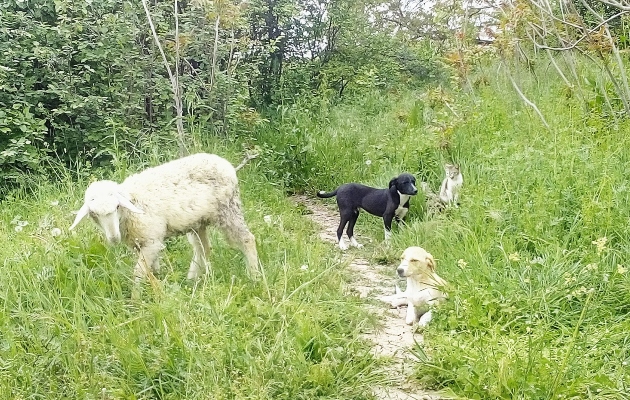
column 402, row 211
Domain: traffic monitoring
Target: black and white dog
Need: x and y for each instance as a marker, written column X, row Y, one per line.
column 389, row 203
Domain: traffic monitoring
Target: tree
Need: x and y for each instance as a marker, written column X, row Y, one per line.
column 564, row 29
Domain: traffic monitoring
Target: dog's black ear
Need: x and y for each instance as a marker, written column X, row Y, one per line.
column 393, row 183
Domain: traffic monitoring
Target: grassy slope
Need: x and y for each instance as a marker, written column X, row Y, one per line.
column 536, row 310
column 70, row 330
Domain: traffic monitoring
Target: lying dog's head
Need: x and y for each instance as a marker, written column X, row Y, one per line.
column 416, row 263
column 405, row 184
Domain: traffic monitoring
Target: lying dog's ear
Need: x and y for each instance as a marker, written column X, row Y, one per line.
column 430, row 262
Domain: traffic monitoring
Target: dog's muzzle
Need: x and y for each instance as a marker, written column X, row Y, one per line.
column 401, row 272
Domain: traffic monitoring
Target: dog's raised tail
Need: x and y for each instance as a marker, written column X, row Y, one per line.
column 325, row 195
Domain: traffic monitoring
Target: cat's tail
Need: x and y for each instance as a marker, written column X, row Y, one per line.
column 325, row 195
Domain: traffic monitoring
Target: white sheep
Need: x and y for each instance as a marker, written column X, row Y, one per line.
column 182, row 196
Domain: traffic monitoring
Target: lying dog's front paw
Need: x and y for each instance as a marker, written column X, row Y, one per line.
column 425, row 319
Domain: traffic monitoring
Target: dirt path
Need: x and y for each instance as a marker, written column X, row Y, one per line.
column 395, row 338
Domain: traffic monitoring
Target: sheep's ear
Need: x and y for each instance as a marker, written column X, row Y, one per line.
column 124, row 201
column 83, row 211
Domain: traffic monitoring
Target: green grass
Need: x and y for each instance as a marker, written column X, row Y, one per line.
column 69, row 328
column 535, row 310
column 538, row 299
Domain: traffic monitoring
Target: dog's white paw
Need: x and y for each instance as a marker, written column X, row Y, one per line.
column 411, row 315
column 343, row 245
column 425, row 319
column 388, row 235
column 353, row 242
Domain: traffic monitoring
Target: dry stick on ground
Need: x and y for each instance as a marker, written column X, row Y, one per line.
column 215, row 51
column 177, row 95
column 527, row 101
column 177, row 91
column 248, row 157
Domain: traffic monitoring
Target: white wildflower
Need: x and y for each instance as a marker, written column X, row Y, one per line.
column 591, row 267
column 46, row 273
column 600, row 244
column 514, row 257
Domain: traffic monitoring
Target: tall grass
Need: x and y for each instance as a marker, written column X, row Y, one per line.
column 539, row 299
column 536, row 258
column 537, row 254
column 69, row 328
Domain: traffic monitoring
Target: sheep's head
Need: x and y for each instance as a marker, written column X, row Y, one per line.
column 103, row 200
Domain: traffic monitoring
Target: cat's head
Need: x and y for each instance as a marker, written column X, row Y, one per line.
column 452, row 170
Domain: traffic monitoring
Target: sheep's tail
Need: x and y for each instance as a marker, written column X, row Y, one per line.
column 325, row 195
column 249, row 156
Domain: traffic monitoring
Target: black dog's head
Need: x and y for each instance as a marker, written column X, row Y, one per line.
column 405, row 184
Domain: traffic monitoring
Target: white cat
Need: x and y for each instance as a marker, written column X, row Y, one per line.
column 449, row 192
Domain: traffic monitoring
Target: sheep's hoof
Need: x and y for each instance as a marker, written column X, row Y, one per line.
column 193, row 275
column 136, row 291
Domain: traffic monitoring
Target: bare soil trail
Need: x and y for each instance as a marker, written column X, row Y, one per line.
column 394, row 338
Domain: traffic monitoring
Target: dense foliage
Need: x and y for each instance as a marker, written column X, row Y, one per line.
column 85, row 81
column 325, row 91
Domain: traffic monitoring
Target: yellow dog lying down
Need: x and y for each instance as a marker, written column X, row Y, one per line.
column 418, row 266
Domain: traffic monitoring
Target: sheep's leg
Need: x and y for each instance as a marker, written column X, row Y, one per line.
column 239, row 236
column 147, row 259
column 201, row 246
column 155, row 267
